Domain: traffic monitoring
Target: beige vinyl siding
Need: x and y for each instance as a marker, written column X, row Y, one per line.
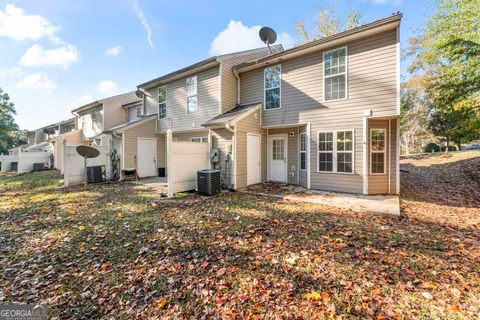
column 113, row 113
column 302, row 174
column 221, row 139
column 130, row 136
column 228, row 86
column 292, row 152
column 207, row 102
column 229, row 81
column 371, row 84
column 378, row 183
column 249, row 124
column 264, row 155
column 93, row 127
column 161, row 151
column 186, row 136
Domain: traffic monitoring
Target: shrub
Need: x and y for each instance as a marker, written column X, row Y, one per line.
column 431, row 147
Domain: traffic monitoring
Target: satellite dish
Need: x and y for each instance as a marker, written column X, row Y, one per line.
column 268, row 36
column 139, row 93
column 87, row 153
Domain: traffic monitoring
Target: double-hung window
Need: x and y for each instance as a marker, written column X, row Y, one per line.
column 377, row 151
column 335, row 151
column 273, row 79
column 192, row 94
column 335, row 74
column 199, row 139
column 303, row 151
column 162, row 102
column 138, row 112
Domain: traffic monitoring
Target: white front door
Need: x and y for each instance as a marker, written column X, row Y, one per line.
column 277, row 154
column 254, row 174
column 147, row 157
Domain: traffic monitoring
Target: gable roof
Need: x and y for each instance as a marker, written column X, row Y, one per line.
column 330, row 41
column 203, row 65
column 233, row 115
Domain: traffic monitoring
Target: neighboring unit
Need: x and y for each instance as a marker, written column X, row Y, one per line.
column 39, row 150
column 179, row 103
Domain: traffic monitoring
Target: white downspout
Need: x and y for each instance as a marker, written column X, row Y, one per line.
column 235, row 73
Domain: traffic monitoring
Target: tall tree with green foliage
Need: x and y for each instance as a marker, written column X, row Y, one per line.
column 326, row 23
column 447, row 56
column 9, row 132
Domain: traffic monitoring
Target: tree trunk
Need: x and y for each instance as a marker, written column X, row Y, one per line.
column 448, row 144
column 459, row 146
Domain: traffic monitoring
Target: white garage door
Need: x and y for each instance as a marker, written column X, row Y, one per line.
column 147, row 157
column 253, row 159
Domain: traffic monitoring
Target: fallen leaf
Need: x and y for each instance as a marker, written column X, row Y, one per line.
column 377, row 292
column 162, row 302
column 106, row 266
column 314, row 295
column 455, row 292
column 427, row 295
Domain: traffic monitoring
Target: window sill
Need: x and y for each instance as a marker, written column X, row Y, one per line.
column 326, row 101
column 272, row 109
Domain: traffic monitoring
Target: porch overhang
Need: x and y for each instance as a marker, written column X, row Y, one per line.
column 232, row 116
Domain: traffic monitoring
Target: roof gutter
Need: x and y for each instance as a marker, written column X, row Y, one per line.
column 190, row 70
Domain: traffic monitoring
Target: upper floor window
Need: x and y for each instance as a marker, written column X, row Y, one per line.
column 192, row 94
column 335, row 74
column 335, row 151
column 273, row 79
column 162, row 102
column 138, row 112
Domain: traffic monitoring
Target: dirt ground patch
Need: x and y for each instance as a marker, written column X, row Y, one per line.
column 114, row 251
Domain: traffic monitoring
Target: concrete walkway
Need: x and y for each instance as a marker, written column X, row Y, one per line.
column 377, row 204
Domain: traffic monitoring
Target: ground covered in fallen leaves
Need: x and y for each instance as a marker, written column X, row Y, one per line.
column 116, row 252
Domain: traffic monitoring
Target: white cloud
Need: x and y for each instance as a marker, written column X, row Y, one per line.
column 38, row 81
column 114, row 51
column 15, row 24
column 86, row 98
column 143, row 21
column 37, row 56
column 16, row 71
column 238, row 37
column 108, row 88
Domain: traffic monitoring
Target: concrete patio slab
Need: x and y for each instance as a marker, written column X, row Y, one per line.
column 157, row 183
column 377, row 204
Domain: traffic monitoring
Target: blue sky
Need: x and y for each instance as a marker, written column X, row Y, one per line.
column 57, row 55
